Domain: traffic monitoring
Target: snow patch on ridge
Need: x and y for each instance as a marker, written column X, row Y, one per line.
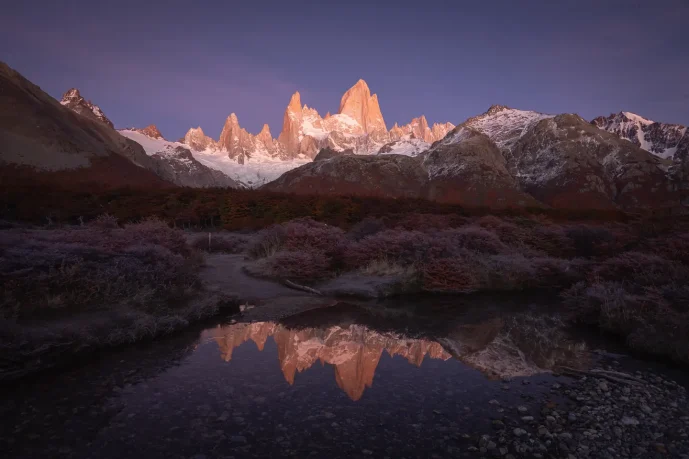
column 256, row 171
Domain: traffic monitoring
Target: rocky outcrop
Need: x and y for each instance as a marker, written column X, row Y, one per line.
column 328, row 153
column 181, row 168
column 198, row 141
column 504, row 125
column 467, row 168
column 418, row 129
column 567, row 162
column 359, row 104
column 661, row 139
column 150, row 131
column 72, row 99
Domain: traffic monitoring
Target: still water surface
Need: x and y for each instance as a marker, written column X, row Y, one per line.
column 349, row 381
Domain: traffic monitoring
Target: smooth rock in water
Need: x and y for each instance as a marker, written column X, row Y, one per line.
column 629, row 421
column 519, row 432
column 522, row 409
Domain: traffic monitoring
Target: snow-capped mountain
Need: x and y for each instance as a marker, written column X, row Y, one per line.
column 254, row 160
column 504, row 125
column 508, row 158
column 406, row 147
column 661, row 139
column 206, row 168
column 73, row 100
column 358, row 126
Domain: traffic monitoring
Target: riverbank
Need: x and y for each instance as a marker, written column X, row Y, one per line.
column 73, row 290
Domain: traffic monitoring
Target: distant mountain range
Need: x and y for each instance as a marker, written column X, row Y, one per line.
column 502, row 158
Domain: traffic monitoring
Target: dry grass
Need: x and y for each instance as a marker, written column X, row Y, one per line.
column 386, row 267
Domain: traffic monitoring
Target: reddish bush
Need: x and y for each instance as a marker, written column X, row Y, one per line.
column 403, row 247
column 552, row 240
column 158, row 232
column 305, row 266
column 366, row 227
column 452, row 275
column 42, row 272
column 426, row 222
column 307, row 234
column 641, row 269
column 104, row 221
column 674, row 246
column 508, row 272
column 474, row 238
column 589, row 241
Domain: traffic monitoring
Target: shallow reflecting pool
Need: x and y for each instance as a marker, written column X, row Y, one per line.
column 347, row 381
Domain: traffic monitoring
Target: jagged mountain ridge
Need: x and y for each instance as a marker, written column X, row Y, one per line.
column 359, row 126
column 662, row 139
column 521, row 158
column 72, row 99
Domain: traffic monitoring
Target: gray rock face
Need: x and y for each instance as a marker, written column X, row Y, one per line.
column 179, row 167
column 328, row 153
column 467, row 168
column 72, row 99
column 566, row 162
column 661, row 139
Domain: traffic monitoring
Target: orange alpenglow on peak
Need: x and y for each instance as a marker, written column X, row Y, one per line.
column 359, row 104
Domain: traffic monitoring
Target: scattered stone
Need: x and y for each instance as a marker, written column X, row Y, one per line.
column 629, row 421
column 522, row 409
column 519, row 432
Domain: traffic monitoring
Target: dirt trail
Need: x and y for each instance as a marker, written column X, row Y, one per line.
column 224, row 273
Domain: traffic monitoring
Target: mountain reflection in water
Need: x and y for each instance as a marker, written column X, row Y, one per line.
column 521, row 345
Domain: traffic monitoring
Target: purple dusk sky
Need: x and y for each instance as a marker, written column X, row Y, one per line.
column 182, row 64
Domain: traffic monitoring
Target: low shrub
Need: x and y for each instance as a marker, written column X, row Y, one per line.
column 589, row 240
column 267, row 242
column 104, row 221
column 399, row 246
column 366, row 227
column 473, row 238
column 86, row 268
column 461, row 274
column 303, row 266
column 308, row 234
column 220, row 242
column 640, row 269
column 156, row 231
